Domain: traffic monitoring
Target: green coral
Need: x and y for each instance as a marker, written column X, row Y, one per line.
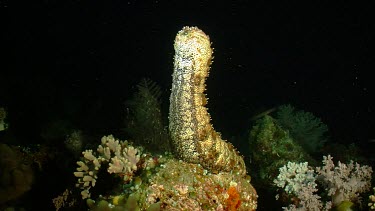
column 306, row 129
column 272, row 147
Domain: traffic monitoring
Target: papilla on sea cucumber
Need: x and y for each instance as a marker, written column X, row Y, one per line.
column 192, row 133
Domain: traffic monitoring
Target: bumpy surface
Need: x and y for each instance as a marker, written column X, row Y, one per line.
column 185, row 186
column 193, row 136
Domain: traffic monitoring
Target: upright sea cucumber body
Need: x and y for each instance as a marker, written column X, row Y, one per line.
column 193, row 136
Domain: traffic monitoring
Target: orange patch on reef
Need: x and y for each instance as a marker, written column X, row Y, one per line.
column 233, row 202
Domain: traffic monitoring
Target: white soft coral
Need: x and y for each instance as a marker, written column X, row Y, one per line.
column 344, row 182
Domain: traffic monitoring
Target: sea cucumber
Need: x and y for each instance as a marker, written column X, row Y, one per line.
column 192, row 134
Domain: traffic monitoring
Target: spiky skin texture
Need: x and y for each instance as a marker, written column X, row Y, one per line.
column 193, row 136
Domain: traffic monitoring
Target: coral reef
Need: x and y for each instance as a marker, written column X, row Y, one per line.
column 298, row 179
column 161, row 182
column 272, row 147
column 122, row 159
column 186, row 186
column 305, row 129
column 192, row 134
column 211, row 176
column 342, row 184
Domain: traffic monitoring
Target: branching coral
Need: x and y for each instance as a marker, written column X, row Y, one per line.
column 298, row 179
column 342, row 183
column 122, row 159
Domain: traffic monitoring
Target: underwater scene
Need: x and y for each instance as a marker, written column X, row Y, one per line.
column 186, row 105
